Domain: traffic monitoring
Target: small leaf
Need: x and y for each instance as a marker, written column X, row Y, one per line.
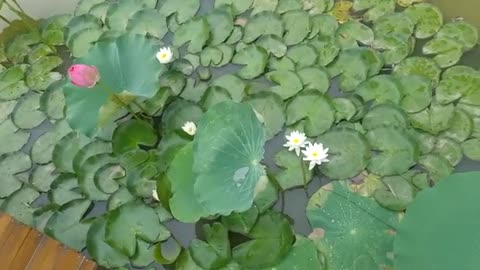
column 288, row 82
column 471, row 148
column 255, row 60
column 184, row 10
column 293, row 172
column 433, row 120
column 270, row 106
column 437, row 166
column 131, row 135
column 197, row 31
column 18, row 205
column 241, row 222
column 15, row 137
column 262, row 24
column 10, row 165
column 297, row 26
column 396, row 195
column 428, row 19
column 419, row 66
column 148, row 22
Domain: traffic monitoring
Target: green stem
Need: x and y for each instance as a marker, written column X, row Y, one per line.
column 140, row 106
column 5, row 19
column 302, row 166
column 119, row 100
column 19, row 7
column 26, row 19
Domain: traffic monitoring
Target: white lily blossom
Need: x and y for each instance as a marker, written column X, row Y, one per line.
column 315, row 154
column 190, row 128
column 296, row 141
column 155, row 195
column 165, row 55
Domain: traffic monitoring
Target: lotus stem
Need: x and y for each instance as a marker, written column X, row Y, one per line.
column 119, row 100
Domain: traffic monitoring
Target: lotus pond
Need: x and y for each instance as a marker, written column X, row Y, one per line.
column 245, row 134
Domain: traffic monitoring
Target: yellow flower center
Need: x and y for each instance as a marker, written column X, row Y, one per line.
column 315, row 154
column 163, row 55
column 296, row 141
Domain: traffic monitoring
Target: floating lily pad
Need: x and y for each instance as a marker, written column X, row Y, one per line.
column 290, row 174
column 345, row 109
column 303, row 55
column 420, row 66
column 471, row 148
column 436, row 166
column 393, row 48
column 52, row 102
column 461, row 126
column 82, row 41
column 351, row 33
column 297, row 26
column 255, row 60
column 215, row 252
column 449, row 149
column 86, row 175
column 42, row 177
column 10, row 165
column 273, row 45
column 271, row 107
column 131, row 135
column 221, row 26
column 396, row 194
column 6, row 108
column 241, row 222
column 417, row 92
column 434, row 119
column 63, row 189
column 42, row 149
column 12, row 85
column 10, row 133
column 18, row 205
column 91, row 149
column 461, row 31
column 184, row 10
column 288, row 82
column 323, row 25
column 380, row 89
column 398, row 24
column 428, row 19
column 27, row 114
column 149, row 22
column 261, row 24
column 459, row 82
column 447, row 51
column 385, row 115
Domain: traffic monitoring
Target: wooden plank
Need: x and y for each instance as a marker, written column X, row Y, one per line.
column 13, row 243
column 45, row 255
column 5, row 222
column 68, row 259
column 87, row 265
column 24, row 254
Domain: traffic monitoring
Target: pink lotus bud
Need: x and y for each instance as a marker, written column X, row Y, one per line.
column 84, row 75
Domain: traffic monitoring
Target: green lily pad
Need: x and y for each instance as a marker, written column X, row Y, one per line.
column 52, row 102
column 290, row 174
column 238, row 6
column 63, row 189
column 420, row 66
column 297, row 26
column 214, row 95
column 255, row 60
column 42, row 149
column 221, row 26
column 435, row 119
column 447, row 51
column 396, row 194
column 271, row 237
column 417, row 92
column 318, row 6
column 10, row 133
column 215, row 252
column 437, row 166
column 18, row 205
column 273, row 45
column 352, row 68
column 262, row 24
column 303, row 55
column 350, row 230
column 38, row 52
column 131, row 221
column 42, row 177
column 241, row 163
column 106, row 177
column 459, row 82
column 471, row 149
column 428, row 19
column 327, row 48
column 120, row 197
column 6, row 108
column 449, row 149
column 84, row 6
column 270, row 106
column 315, row 108
column 66, row 150
column 302, row 255
column 323, row 25
column 288, row 5
column 381, row 89
column 86, row 175
column 27, row 114
column 315, row 78
column 344, row 109
column 10, row 165
column 385, row 115
column 149, row 22
column 82, row 41
column 66, row 224
column 108, row 56
column 349, row 153
column 179, row 112
column 42, row 215
column 398, row 24
column 144, row 254
column 197, row 31
column 234, row 85
column 288, row 82
column 393, row 48
column 425, row 141
column 351, row 33
column 89, row 150
column 241, row 222
column 131, row 135
column 461, row 31
column 431, row 229
column 264, row 5
column 379, row 9
column 184, row 10
column 119, row 13
column 461, row 126
column 12, row 85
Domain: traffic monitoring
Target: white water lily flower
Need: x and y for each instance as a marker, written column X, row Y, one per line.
column 316, row 154
column 165, row 55
column 155, row 195
column 190, row 128
column 296, row 141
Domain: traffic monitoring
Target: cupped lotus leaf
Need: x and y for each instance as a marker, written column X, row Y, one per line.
column 396, row 194
column 397, row 151
column 116, row 62
column 234, row 85
column 52, row 102
column 120, row 12
column 149, row 22
column 10, row 165
column 327, row 49
column 461, row 126
column 303, row 55
column 449, row 149
column 297, row 26
column 459, row 82
column 14, row 138
column 471, row 149
column 261, row 24
column 314, row 107
column 130, row 135
column 380, row 89
column 398, row 24
column 221, row 26
column 89, row 150
column 101, row 252
column 67, row 226
column 241, row 222
column 353, row 232
column 302, row 255
column 428, row 19
column 293, row 170
column 272, row 238
column 255, row 60
column 271, row 108
column 353, row 33
column 349, row 153
column 447, row 51
column 437, row 167
column 228, row 148
column 455, row 195
column 435, row 119
column 393, row 48
column 316, row 78
column 12, row 85
column 420, row 66
column 42, row 149
column 18, row 205
column 461, row 31
column 273, row 45
column 106, row 177
column 417, row 92
column 215, row 252
column 87, row 172
column 289, row 83
column 184, row 10
column 344, row 109
column 385, row 115
column 183, row 204
column 239, row 6
column 131, row 221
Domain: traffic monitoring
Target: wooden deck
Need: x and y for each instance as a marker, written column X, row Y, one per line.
column 23, row 248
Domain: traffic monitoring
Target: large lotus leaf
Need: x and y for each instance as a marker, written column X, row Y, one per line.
column 270, row 106
column 441, row 242
column 10, row 165
column 14, row 138
column 447, row 51
column 349, row 153
column 293, row 170
column 27, row 114
column 302, row 255
column 303, row 55
column 417, row 92
column 12, row 85
column 461, row 31
column 315, row 108
column 420, row 66
column 183, row 205
column 351, row 33
column 130, row 135
column 435, row 119
column 397, row 151
column 393, row 48
column 100, row 251
column 461, row 126
column 125, row 64
column 264, row 5
column 436, row 166
column 149, row 22
column 297, row 26
column 459, row 82
column 398, row 24
column 66, row 225
column 385, row 115
column 42, row 149
column 185, row 10
column 255, row 60
column 271, row 237
column 428, row 19
column 261, row 24
column 289, row 83
column 131, row 221
column 228, row 148
column 353, row 232
column 380, row 89
column 327, row 48
column 18, row 205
